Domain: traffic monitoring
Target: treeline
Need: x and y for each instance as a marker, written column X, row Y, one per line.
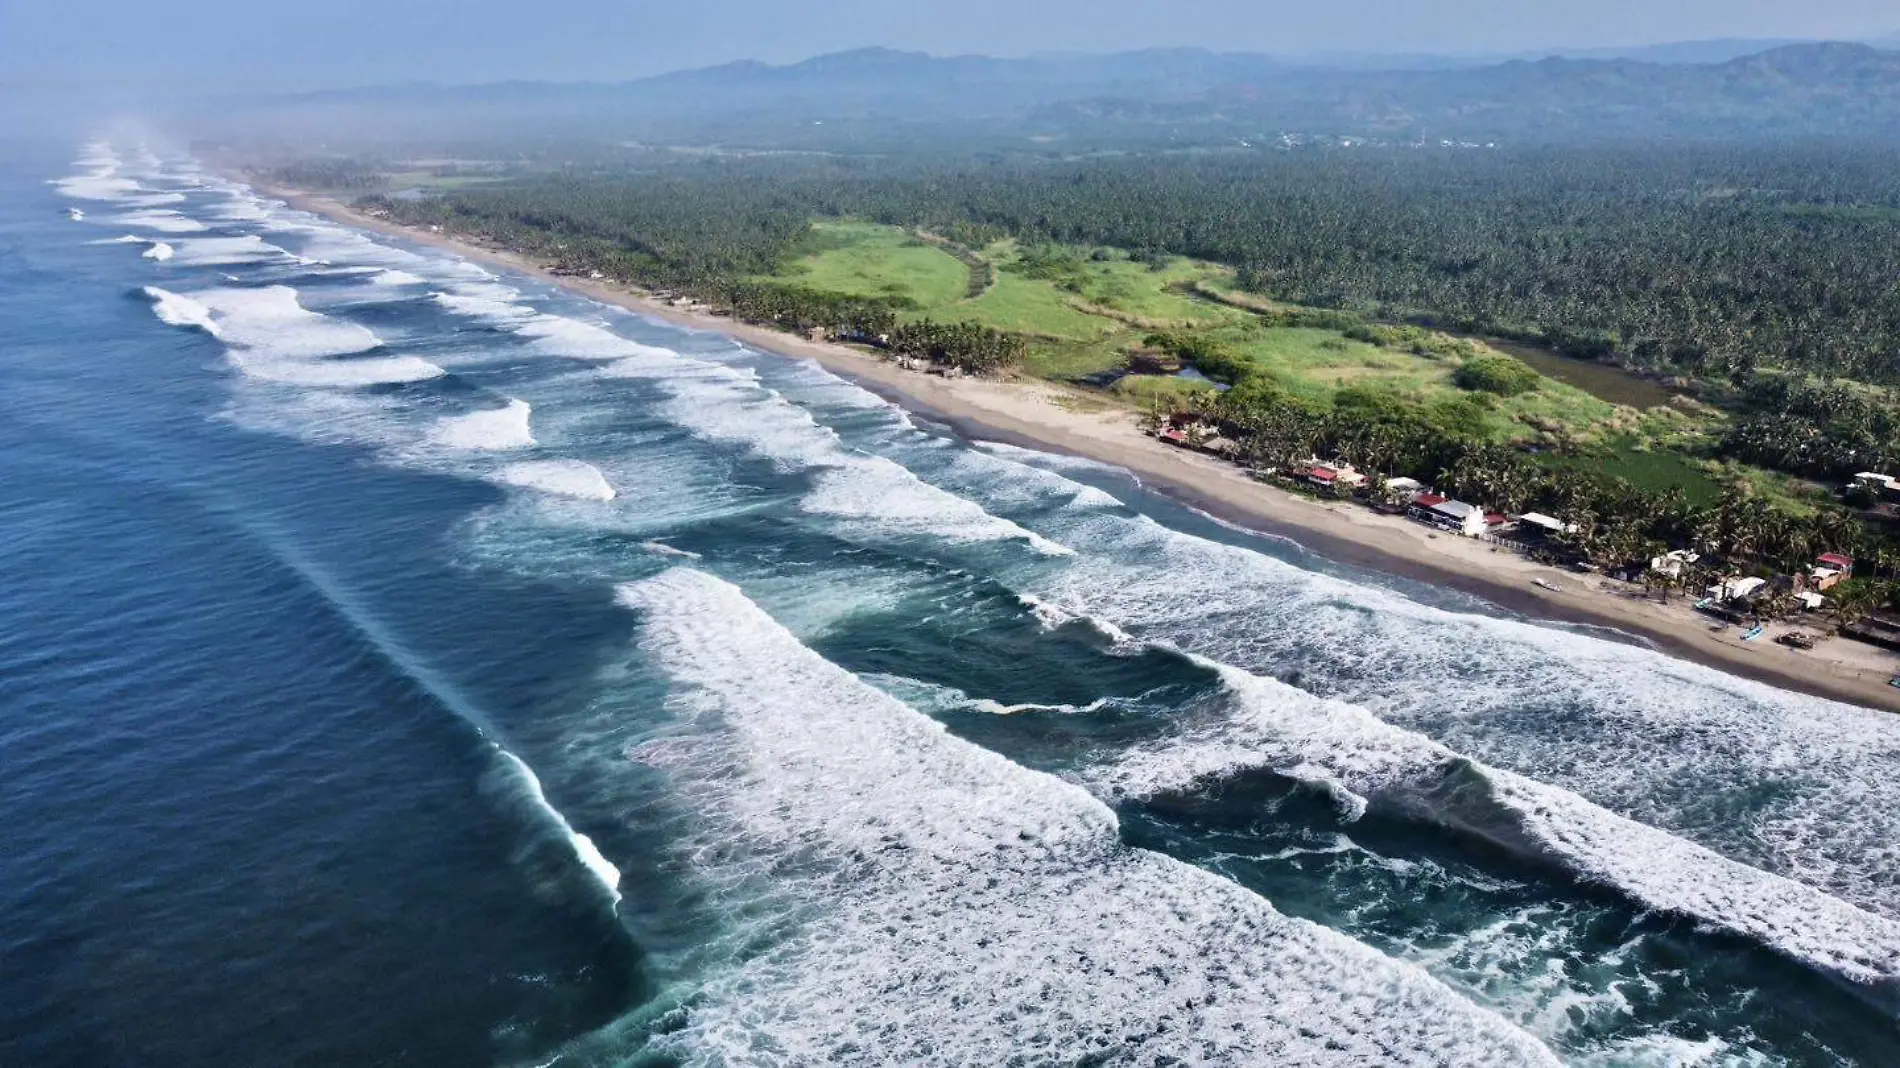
column 1752, row 269
column 968, row 347
column 1699, row 261
column 1704, row 261
column 704, row 237
column 1826, row 430
column 327, row 174
column 1756, row 269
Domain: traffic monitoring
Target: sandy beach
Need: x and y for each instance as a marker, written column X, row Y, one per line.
column 1044, row 416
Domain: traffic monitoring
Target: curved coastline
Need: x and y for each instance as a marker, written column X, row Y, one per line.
column 1049, row 418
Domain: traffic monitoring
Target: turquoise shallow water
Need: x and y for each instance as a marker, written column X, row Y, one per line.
column 408, row 664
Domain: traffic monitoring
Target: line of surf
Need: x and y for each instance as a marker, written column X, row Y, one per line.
column 1364, row 761
column 1347, row 749
column 544, row 817
column 725, row 405
column 956, row 908
column 273, row 337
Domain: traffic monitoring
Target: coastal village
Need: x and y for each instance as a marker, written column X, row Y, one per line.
column 1789, row 602
column 1792, row 609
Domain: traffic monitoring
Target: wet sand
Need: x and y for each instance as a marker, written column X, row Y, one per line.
column 1043, row 416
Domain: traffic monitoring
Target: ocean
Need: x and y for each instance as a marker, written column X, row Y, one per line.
column 405, row 662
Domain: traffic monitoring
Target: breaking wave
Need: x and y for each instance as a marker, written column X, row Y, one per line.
column 370, row 371
column 494, row 430
column 1364, row 761
column 276, row 339
column 176, row 310
column 562, row 478
column 950, row 907
column 168, row 222
column 585, row 851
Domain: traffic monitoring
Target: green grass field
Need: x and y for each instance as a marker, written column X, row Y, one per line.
column 866, row 260
column 1084, row 310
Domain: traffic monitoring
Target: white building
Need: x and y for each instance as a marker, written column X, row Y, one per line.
column 1466, row 519
column 1737, row 589
column 1673, row 562
column 1537, row 524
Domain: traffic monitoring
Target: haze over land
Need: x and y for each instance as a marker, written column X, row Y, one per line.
column 226, row 43
column 1038, row 534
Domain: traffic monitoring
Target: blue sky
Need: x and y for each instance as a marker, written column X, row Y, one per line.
column 225, row 43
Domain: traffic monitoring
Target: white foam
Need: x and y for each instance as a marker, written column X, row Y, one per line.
column 563, row 478
column 75, row 214
column 558, row 335
column 370, row 371
column 275, row 339
column 169, row 222
column 949, row 907
column 494, row 430
column 177, row 310
column 102, row 186
column 390, row 276
column 324, row 242
column 243, row 207
column 151, row 200
column 585, row 851
column 660, row 548
column 1821, row 781
column 1361, row 759
column 879, row 496
column 159, row 251
column 870, row 496
column 269, row 322
column 226, row 251
column 492, row 304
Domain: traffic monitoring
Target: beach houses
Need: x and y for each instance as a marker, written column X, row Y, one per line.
column 1335, row 478
column 1536, row 526
column 1447, row 514
column 1674, row 563
column 1732, row 590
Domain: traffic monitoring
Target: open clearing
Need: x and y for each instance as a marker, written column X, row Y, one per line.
column 1086, row 310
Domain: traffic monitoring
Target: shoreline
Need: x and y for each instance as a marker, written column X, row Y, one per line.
column 1049, row 418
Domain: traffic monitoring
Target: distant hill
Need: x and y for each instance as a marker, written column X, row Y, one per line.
column 1196, row 95
column 1719, row 50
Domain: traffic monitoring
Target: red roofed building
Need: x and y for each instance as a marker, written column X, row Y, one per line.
column 1335, row 476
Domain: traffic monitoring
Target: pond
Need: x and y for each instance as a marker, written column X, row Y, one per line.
column 1600, row 380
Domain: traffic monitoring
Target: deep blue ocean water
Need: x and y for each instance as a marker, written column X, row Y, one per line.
column 404, row 663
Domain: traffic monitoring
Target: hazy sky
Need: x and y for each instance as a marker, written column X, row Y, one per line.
column 215, row 43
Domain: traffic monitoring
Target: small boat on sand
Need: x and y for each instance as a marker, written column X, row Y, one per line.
column 1753, row 632
column 1544, row 585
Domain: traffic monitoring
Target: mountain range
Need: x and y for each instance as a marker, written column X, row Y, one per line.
column 1827, row 89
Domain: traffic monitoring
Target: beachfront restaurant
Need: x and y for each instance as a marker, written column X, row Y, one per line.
column 1339, row 478
column 1446, row 514
column 1536, row 526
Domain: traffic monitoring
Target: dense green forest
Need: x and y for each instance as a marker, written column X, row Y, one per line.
column 1703, row 261
column 1763, row 278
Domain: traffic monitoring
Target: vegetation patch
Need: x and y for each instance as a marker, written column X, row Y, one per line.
column 1496, row 373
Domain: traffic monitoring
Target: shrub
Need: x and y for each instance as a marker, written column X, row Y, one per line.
column 1501, row 375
